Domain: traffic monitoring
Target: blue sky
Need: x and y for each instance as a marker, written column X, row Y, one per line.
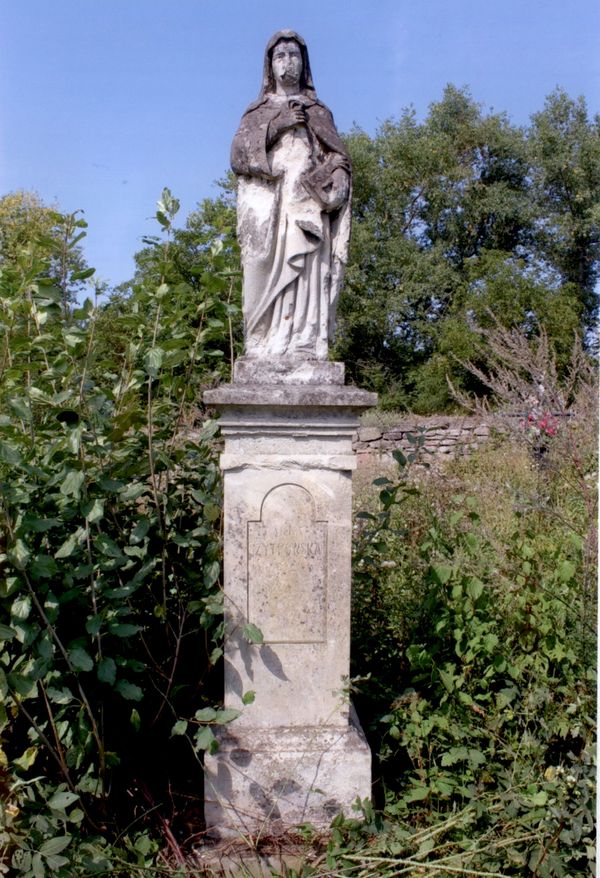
column 104, row 102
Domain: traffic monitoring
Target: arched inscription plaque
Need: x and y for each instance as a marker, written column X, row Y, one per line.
column 287, row 568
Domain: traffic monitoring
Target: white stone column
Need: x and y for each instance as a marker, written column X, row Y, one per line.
column 297, row 753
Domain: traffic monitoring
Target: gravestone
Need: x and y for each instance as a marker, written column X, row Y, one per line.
column 296, row 753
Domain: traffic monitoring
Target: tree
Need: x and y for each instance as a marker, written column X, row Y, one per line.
column 200, row 266
column 29, row 228
column 186, row 288
column 452, row 218
column 565, row 154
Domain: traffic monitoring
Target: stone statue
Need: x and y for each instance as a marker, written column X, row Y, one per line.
column 293, row 209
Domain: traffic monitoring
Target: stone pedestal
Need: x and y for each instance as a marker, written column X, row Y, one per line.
column 295, row 754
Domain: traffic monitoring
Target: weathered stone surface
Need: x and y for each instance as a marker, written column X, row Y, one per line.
column 369, row 434
column 287, row 466
column 264, row 780
column 293, row 209
column 270, row 396
column 287, row 370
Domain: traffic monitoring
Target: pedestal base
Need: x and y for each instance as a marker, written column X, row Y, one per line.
column 266, row 781
column 287, row 370
column 292, row 756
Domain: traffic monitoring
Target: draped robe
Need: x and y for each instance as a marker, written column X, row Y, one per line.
column 293, row 250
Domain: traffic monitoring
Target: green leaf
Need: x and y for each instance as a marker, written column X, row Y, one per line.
column 107, row 546
column 227, row 715
column 205, row 740
column 135, row 719
column 153, row 361
column 83, row 275
column 73, row 338
column 59, row 696
column 124, row 629
column 140, row 530
column 474, row 588
column 215, row 655
column 95, row 511
column 212, row 573
column 19, row 407
column 94, row 624
column 566, row 571
column 55, row 845
column 107, row 671
column 22, row 684
column 54, row 861
column 476, row 757
column 72, row 483
column 80, row 659
column 454, row 755
column 448, row 680
column 9, row 454
column 418, row 794
column 206, row 715
column 252, row 633
column 26, row 760
column 133, row 491
column 249, row 697
column 69, row 545
column 38, row 869
column 40, row 525
column 180, row 727
column 62, row 800
column 129, row 691
column 21, row 608
column 19, row 554
column 6, row 633
column 441, row 573
column 43, row 567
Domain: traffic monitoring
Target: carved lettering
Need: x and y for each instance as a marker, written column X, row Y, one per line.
column 287, row 568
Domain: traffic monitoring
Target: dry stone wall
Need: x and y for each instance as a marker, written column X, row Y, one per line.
column 445, row 436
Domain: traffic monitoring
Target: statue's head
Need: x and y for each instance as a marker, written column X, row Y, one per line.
column 286, row 56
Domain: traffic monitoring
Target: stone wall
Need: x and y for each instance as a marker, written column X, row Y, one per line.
column 445, row 436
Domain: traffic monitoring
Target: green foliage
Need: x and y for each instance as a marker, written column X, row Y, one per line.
column 201, row 264
column 475, row 641
column 31, row 230
column 110, row 561
column 456, row 215
column 565, row 147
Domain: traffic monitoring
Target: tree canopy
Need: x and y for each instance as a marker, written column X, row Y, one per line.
column 462, row 214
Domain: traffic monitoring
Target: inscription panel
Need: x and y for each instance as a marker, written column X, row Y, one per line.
column 287, row 568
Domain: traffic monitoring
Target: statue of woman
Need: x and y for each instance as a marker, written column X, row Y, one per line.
column 293, row 209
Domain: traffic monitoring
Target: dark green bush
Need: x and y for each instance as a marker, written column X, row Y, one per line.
column 478, row 664
column 111, row 559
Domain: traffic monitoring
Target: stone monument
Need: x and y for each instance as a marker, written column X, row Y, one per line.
column 296, row 754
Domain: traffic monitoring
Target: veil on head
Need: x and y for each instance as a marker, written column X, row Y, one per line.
column 268, row 80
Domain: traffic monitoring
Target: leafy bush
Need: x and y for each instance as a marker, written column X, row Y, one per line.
column 110, row 597
column 477, row 656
